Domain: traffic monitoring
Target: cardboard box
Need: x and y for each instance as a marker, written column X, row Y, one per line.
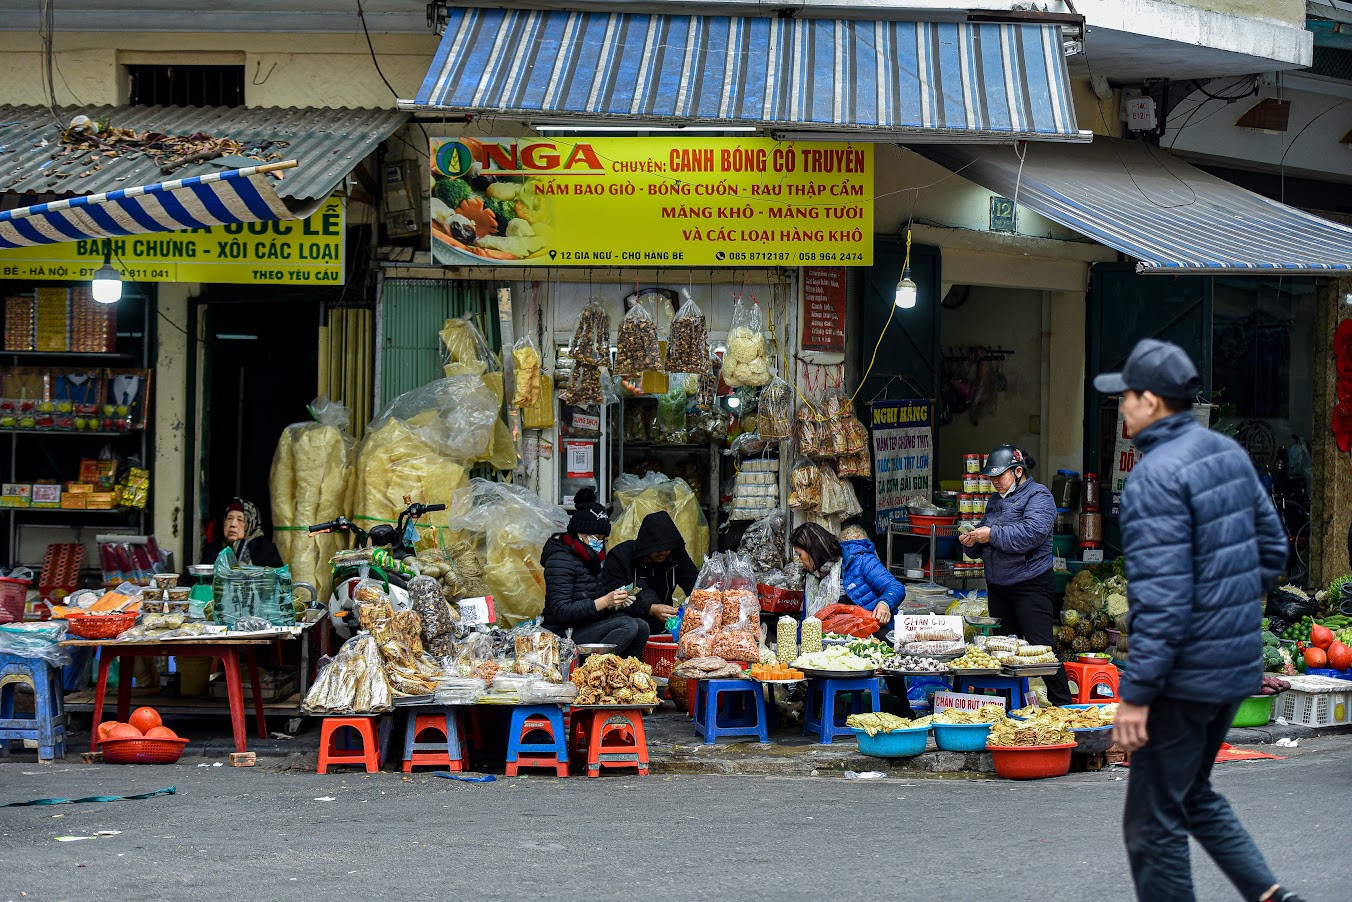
column 16, row 494
column 89, row 470
column 46, row 496
column 99, row 501
column 74, row 501
column 78, row 488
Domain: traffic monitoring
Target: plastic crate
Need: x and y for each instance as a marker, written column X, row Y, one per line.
column 660, row 656
column 1323, row 708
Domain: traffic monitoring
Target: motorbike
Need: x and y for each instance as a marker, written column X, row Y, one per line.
column 388, row 545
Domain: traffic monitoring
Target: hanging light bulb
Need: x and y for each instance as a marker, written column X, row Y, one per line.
column 906, row 291
column 107, row 285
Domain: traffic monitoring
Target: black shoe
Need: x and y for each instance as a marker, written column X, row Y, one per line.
column 1282, row 895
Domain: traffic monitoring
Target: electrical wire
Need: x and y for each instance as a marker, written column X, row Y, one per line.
column 905, row 267
column 371, row 47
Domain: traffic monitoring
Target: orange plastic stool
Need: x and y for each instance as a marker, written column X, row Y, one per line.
column 329, row 753
column 448, row 753
column 613, row 738
column 1089, row 677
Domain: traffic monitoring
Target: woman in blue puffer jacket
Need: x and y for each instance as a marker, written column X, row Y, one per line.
column 1015, row 541
column 863, row 580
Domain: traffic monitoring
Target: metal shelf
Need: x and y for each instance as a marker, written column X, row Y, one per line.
column 67, row 510
column 13, row 430
column 53, row 355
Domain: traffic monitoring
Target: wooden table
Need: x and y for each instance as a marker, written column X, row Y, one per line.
column 228, row 650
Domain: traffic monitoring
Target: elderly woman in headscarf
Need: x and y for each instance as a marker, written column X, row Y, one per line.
column 242, row 530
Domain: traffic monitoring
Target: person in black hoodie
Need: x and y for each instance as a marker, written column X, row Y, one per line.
column 655, row 563
column 574, row 598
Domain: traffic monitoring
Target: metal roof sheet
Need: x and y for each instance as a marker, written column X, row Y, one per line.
column 326, row 143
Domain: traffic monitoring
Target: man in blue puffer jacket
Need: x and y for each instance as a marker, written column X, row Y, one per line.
column 1203, row 544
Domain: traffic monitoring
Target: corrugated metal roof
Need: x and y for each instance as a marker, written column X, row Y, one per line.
column 326, row 143
column 266, row 16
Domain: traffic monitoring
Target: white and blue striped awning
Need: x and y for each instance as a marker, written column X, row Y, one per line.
column 887, row 80
column 200, row 201
column 1148, row 204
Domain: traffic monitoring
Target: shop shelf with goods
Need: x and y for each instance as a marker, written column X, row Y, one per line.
column 78, row 372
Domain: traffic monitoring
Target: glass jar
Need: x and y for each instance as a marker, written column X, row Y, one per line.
column 1066, row 489
column 1091, row 528
column 1091, row 491
column 1064, row 525
column 971, row 463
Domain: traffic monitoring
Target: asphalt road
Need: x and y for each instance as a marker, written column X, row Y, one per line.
column 261, row 834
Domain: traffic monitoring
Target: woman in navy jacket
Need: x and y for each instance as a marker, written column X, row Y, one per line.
column 1015, row 541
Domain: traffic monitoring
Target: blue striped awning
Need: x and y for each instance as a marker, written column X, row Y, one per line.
column 1148, row 204
column 221, row 198
column 956, row 81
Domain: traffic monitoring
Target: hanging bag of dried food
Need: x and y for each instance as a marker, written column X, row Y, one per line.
column 747, row 361
column 775, row 419
column 805, row 486
column 707, row 396
column 526, row 372
column 670, row 426
column 688, row 343
column 832, row 430
column 591, row 338
column 638, row 349
column 811, row 441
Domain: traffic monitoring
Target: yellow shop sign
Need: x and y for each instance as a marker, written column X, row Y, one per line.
column 288, row 252
column 651, row 201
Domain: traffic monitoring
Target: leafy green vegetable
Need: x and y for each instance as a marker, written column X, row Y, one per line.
column 1270, row 639
column 503, row 210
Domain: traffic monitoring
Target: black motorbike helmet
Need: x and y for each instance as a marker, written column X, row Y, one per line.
column 1004, row 458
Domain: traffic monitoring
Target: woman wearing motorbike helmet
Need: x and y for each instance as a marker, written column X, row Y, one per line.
column 1015, row 541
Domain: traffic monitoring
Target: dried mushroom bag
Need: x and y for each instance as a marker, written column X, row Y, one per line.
column 775, row 417
column 311, row 482
column 688, row 340
column 591, row 338
column 513, row 524
column 637, row 497
column 746, row 361
column 525, row 372
column 637, row 349
column 805, row 486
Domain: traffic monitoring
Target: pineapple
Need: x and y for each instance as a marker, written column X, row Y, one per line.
column 1098, row 641
column 1065, row 635
column 1085, row 628
column 1080, row 644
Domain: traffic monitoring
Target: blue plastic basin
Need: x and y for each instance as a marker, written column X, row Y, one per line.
column 961, row 737
column 897, row 744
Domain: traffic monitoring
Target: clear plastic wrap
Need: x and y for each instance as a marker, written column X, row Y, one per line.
column 35, row 640
column 706, row 394
column 353, row 682
column 591, row 338
column 670, row 425
column 774, row 419
column 428, row 599
column 637, row 497
column 637, row 349
column 700, row 629
column 525, row 372
column 510, row 524
column 311, row 482
column 805, row 486
column 763, row 542
column 454, row 415
column 542, row 692
column 688, row 341
column 747, row 361
column 812, row 438
column 467, row 351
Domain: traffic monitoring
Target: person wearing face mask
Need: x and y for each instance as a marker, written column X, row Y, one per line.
column 656, row 564
column 574, row 598
column 1015, row 541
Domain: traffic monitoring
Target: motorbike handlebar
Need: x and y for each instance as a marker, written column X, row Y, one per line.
column 341, row 523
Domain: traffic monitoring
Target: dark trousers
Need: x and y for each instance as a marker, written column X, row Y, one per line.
column 628, row 634
column 1025, row 610
column 1169, row 796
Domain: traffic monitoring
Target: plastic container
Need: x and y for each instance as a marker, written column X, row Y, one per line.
column 13, row 594
column 779, row 601
column 660, row 655
column 1314, row 709
column 1254, row 711
column 1091, row 528
column 1063, row 525
column 961, row 737
column 897, row 744
column 142, row 751
column 1066, row 489
column 1092, row 740
column 1091, row 492
column 99, row 626
column 1032, row 762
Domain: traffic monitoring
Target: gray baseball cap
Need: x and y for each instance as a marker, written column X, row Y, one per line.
column 1159, row 367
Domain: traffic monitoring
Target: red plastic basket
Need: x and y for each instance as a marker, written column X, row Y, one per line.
column 660, row 656
column 1031, row 762
column 99, row 626
column 142, row 751
column 947, row 525
column 13, row 594
column 779, row 601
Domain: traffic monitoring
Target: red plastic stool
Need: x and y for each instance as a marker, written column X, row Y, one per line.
column 449, row 753
column 613, row 738
column 329, row 753
column 1091, row 677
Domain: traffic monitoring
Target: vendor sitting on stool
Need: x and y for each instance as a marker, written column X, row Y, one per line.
column 845, row 572
column 241, row 530
column 573, row 594
column 655, row 563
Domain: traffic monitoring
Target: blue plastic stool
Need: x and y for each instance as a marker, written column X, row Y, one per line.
column 743, row 704
column 48, row 724
column 822, row 692
column 528, row 719
column 1014, row 689
column 448, row 753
